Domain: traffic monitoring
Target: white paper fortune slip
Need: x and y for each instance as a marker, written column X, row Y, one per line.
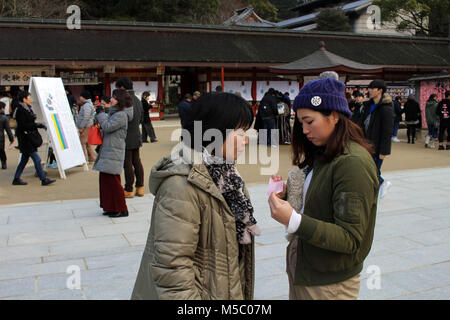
column 274, row 186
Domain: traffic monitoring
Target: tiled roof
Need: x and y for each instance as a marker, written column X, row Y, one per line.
column 170, row 43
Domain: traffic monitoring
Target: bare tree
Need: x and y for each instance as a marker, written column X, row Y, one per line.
column 226, row 10
column 44, row 9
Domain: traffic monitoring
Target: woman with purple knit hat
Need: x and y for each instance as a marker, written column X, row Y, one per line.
column 332, row 233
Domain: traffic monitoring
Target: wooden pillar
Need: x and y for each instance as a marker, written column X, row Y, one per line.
column 209, row 80
column 160, row 97
column 254, row 87
column 301, row 82
column 254, row 92
column 107, row 81
column 223, row 78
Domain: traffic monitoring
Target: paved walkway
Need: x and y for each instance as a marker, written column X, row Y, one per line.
column 39, row 243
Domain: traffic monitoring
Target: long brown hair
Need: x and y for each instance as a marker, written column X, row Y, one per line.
column 123, row 98
column 304, row 152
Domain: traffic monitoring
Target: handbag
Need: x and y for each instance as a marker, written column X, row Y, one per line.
column 95, row 136
column 34, row 137
column 12, row 123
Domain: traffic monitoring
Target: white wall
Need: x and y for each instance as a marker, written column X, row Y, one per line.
column 261, row 88
column 139, row 87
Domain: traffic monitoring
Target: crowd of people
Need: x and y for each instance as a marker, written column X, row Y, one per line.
column 201, row 241
column 409, row 112
column 274, row 113
column 119, row 150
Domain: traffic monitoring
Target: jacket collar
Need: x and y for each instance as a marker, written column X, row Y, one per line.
column 26, row 107
column 385, row 99
column 198, row 175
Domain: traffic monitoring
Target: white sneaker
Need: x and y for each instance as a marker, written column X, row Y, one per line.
column 395, row 139
column 427, row 141
column 384, row 188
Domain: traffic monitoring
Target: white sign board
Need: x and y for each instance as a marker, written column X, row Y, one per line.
column 283, row 86
column 245, row 88
column 49, row 93
column 140, row 86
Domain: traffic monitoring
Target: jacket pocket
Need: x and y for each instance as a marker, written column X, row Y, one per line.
column 348, row 207
column 323, row 260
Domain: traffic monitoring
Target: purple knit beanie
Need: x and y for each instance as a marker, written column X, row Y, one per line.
column 323, row 94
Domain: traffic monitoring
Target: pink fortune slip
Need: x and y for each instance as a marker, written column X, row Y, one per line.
column 274, row 186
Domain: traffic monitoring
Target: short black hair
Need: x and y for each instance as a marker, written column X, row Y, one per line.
column 222, row 111
column 378, row 84
column 22, row 95
column 2, row 105
column 124, row 82
column 107, row 99
column 357, row 93
column 86, row 94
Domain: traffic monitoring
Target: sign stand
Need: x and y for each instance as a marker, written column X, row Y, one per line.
column 56, row 113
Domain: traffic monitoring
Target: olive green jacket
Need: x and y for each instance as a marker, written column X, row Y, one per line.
column 192, row 250
column 337, row 226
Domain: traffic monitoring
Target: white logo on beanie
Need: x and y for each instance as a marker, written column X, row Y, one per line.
column 316, row 101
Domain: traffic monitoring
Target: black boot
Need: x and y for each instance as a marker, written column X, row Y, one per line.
column 3, row 165
column 19, row 182
column 47, row 181
column 119, row 214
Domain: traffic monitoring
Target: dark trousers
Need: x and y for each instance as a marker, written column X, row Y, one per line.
column 411, row 131
column 378, row 163
column 396, row 125
column 112, row 198
column 133, row 167
column 269, row 125
column 37, row 165
column 2, row 153
column 442, row 129
column 148, row 131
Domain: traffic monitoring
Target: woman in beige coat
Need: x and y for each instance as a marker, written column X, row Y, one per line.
column 200, row 244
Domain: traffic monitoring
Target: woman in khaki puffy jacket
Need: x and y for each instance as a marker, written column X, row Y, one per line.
column 201, row 239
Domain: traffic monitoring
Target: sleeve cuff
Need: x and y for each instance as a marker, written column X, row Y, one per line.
column 294, row 222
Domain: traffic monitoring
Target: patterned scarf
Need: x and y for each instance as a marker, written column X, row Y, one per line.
column 231, row 185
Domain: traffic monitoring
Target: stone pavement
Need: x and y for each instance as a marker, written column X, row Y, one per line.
column 40, row 243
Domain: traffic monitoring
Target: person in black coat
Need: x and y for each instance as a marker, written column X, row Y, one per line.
column 377, row 121
column 355, row 106
column 268, row 113
column 443, row 112
column 133, row 165
column 412, row 117
column 4, row 126
column 26, row 129
column 147, row 127
column 398, row 111
column 184, row 110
